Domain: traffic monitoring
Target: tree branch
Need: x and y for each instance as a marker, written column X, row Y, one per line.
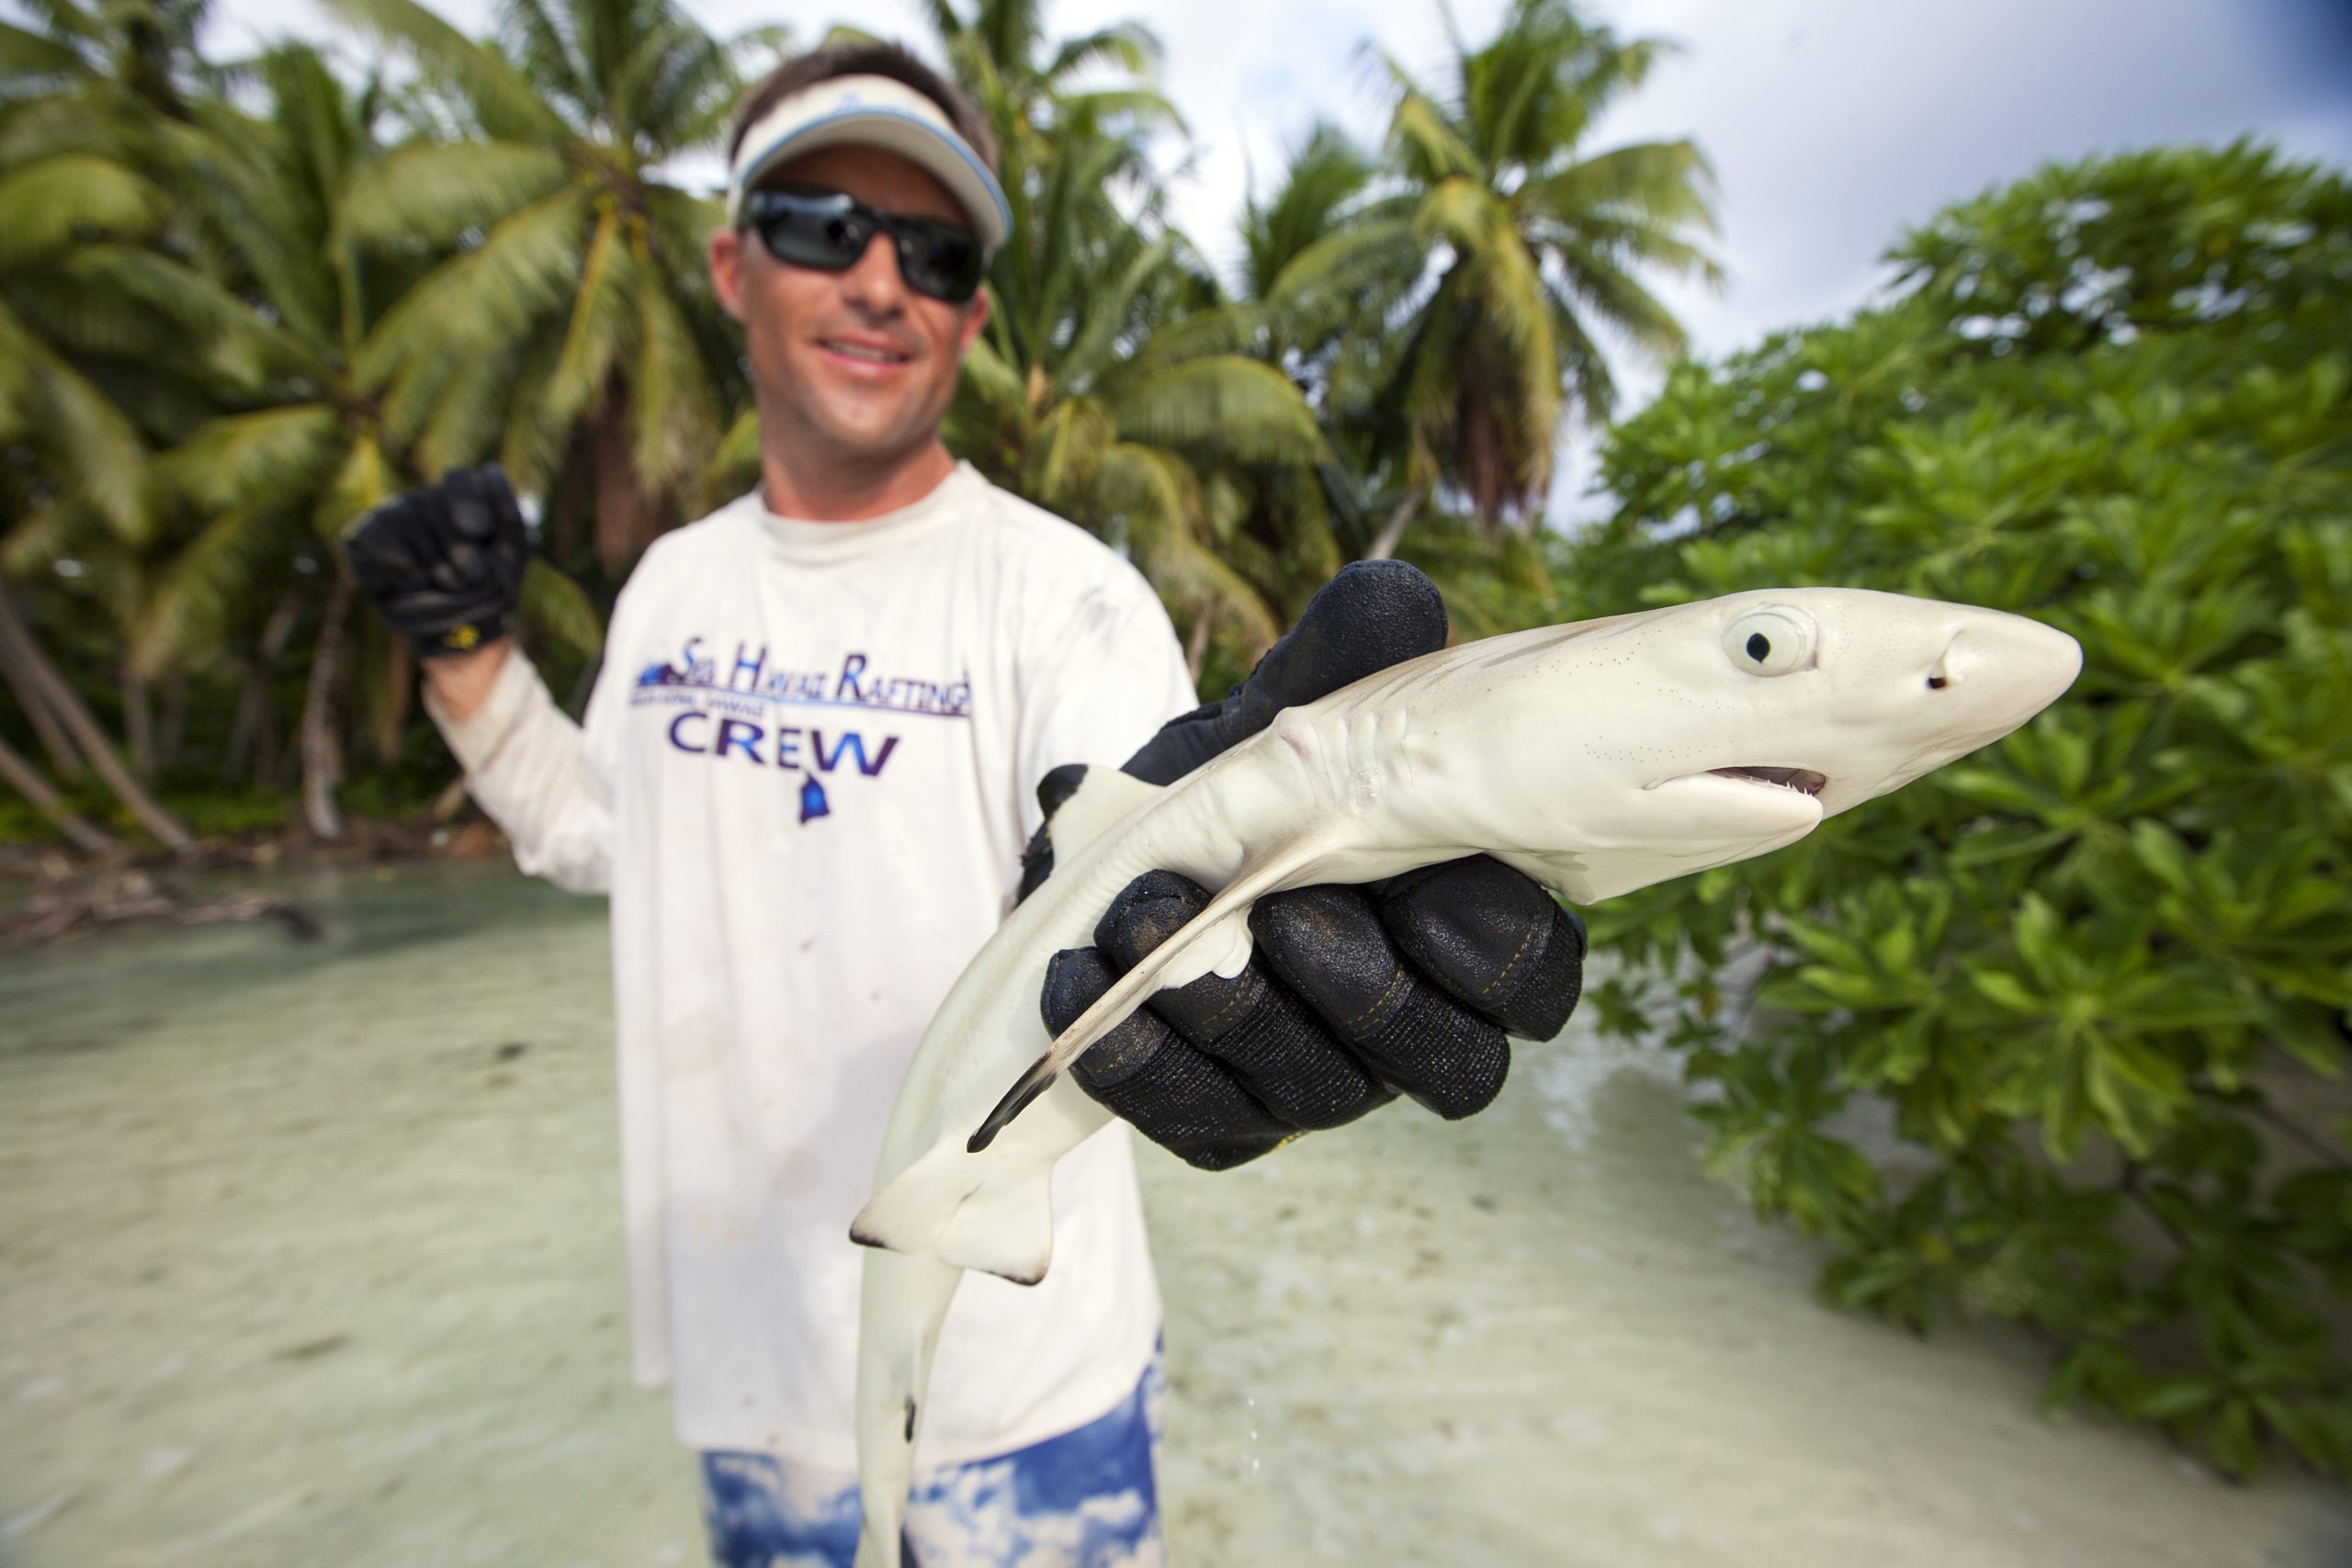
column 47, row 801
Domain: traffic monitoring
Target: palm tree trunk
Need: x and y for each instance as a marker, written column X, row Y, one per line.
column 238, row 749
column 1196, row 651
column 137, row 723
column 253, row 734
column 392, row 713
column 174, row 739
column 566, row 505
column 322, row 755
column 47, row 801
column 51, row 689
column 15, row 663
column 1392, row 533
column 627, row 517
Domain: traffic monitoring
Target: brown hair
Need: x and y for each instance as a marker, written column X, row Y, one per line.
column 877, row 58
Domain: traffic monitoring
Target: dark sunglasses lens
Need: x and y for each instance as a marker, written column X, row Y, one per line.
column 820, row 231
column 939, row 260
column 830, row 231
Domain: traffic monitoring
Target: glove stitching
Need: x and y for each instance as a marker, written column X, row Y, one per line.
column 1399, row 978
column 1489, row 989
column 1246, row 994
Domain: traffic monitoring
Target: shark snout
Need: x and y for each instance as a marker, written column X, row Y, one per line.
column 1966, row 683
column 2006, row 664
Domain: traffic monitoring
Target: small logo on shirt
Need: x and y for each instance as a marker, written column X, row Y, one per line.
column 855, row 684
column 733, row 713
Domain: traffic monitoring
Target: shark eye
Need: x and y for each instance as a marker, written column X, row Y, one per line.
column 1772, row 639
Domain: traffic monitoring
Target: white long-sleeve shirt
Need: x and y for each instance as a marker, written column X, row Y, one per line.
column 805, row 777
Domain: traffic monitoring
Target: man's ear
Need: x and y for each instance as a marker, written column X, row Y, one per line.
column 726, row 269
column 976, row 318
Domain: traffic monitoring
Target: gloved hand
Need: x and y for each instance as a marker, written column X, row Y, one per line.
column 1352, row 995
column 443, row 564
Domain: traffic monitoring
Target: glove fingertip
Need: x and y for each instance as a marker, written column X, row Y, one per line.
column 1076, row 979
column 1492, row 937
column 1146, row 912
column 1373, row 614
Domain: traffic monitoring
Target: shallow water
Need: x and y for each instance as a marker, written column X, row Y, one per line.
column 310, row 1254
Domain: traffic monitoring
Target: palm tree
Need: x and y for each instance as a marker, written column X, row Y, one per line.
column 1022, row 82
column 275, row 484
column 575, row 326
column 1528, row 244
column 1328, row 261
column 1107, row 386
column 109, row 339
column 1329, row 268
column 270, row 484
column 122, row 77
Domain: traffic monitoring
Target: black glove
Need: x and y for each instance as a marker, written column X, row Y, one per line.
column 1352, row 995
column 443, row 564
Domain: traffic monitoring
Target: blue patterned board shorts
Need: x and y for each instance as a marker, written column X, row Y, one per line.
column 1085, row 1499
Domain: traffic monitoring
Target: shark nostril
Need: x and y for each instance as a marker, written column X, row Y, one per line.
column 1941, row 674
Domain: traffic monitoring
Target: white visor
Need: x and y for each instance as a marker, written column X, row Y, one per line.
column 871, row 111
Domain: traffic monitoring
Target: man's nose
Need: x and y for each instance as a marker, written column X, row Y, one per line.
column 874, row 281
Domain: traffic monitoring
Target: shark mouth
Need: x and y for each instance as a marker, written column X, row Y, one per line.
column 1804, row 781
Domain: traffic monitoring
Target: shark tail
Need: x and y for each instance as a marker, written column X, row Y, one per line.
column 905, row 1302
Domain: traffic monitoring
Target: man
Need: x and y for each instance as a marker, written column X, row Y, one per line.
column 806, row 776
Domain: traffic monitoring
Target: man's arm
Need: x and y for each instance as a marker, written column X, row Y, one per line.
column 460, row 683
column 444, row 565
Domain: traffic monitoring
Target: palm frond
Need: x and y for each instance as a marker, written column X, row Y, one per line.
column 467, row 411
column 272, row 461
column 1664, row 183
column 524, row 269
column 96, row 454
column 188, row 612
column 31, row 64
column 1429, row 147
column 1129, row 46
column 557, row 605
column 735, row 465
column 366, row 477
column 48, row 205
column 1107, row 319
column 669, row 390
column 1155, row 495
column 1235, row 407
column 600, row 327
column 501, row 98
column 206, row 326
column 434, row 193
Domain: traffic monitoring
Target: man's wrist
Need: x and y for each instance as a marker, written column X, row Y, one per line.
column 461, row 683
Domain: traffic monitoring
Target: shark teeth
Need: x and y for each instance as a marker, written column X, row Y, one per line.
column 1804, row 781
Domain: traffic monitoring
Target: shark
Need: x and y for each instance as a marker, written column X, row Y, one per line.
column 1598, row 758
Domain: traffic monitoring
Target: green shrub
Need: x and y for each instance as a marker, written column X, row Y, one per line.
column 2102, row 971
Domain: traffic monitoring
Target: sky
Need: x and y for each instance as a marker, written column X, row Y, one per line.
column 1830, row 124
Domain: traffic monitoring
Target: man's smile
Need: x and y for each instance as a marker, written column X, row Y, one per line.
column 866, row 351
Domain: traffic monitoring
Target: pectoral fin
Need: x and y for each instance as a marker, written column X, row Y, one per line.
column 1269, row 872
column 1104, row 798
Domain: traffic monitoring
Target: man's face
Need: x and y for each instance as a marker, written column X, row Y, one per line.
column 856, row 359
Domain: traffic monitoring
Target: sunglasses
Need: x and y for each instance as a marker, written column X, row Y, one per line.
column 829, row 230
